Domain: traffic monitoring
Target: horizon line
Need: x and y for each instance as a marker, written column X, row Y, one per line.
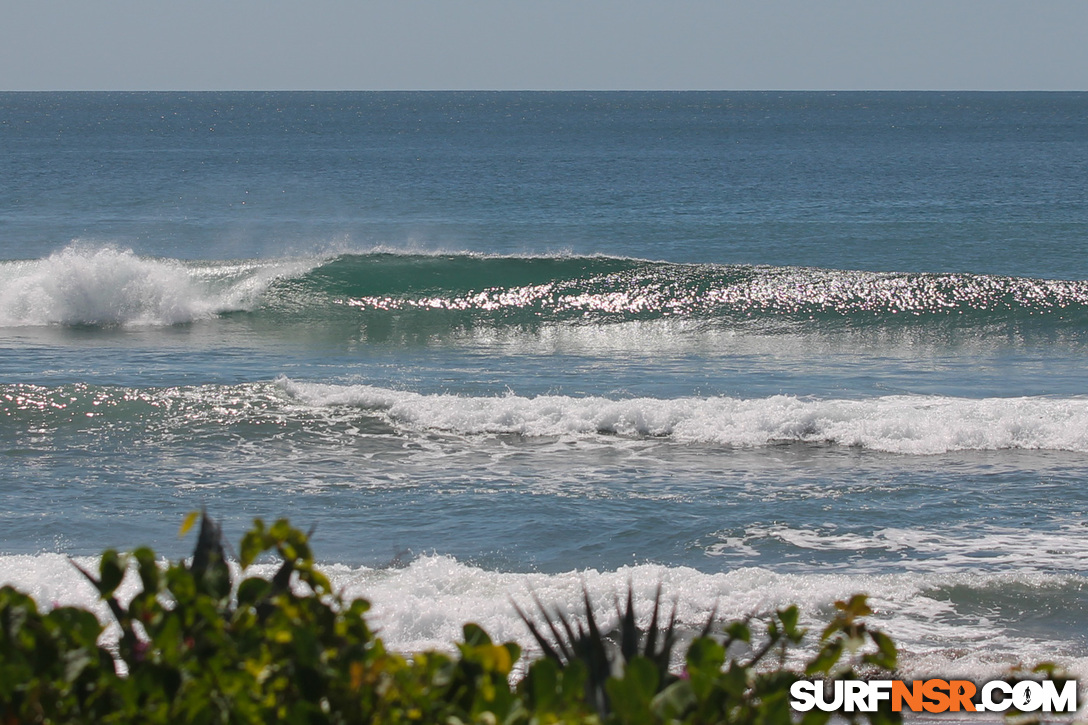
column 542, row 90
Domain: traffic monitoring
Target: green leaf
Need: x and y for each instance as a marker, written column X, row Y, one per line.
column 513, row 651
column 541, row 684
column 111, row 571
column 280, row 531
column 475, row 635
column 789, row 618
column 1050, row 669
column 705, row 659
column 631, row 695
column 148, row 568
column 253, row 544
column 252, row 590
column 675, row 701
column 277, row 653
column 886, row 655
column 738, row 631
column 857, row 606
column 187, row 523
column 826, row 658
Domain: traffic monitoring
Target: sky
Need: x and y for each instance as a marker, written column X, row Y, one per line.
column 543, row 45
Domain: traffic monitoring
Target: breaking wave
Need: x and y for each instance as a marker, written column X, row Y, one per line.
column 424, row 604
column 909, row 424
column 901, row 424
column 108, row 287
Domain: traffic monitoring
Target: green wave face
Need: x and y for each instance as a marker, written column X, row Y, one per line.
column 458, row 290
column 399, row 274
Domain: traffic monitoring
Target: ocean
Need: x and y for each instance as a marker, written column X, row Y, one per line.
column 761, row 348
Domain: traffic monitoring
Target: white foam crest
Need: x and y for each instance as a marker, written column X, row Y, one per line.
column 416, row 248
column 424, row 605
column 908, row 424
column 82, row 285
column 996, row 548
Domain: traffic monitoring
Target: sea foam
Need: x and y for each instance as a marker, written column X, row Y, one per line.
column 107, row 286
column 908, row 424
column 423, row 605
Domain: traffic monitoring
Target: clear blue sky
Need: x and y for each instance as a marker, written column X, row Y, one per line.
column 543, row 44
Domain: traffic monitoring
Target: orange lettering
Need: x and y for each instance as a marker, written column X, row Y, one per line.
column 934, row 691
column 912, row 696
column 961, row 692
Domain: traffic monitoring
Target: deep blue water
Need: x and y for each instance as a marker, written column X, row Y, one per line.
column 767, row 347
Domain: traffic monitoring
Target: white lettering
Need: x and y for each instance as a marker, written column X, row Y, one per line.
column 878, row 690
column 803, row 694
column 1066, row 701
column 1027, row 695
column 996, row 696
column 836, row 700
column 988, row 702
column 855, row 696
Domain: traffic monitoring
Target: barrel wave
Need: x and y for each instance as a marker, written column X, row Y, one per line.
column 463, row 289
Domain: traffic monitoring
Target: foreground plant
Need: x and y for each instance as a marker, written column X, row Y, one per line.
column 196, row 646
column 626, row 675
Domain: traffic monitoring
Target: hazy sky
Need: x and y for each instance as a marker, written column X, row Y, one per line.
column 543, row 44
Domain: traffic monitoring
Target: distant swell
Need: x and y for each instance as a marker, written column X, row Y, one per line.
column 918, row 425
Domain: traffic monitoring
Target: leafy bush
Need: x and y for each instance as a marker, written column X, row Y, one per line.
column 197, row 647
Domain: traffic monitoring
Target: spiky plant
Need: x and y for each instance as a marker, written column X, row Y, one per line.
column 606, row 655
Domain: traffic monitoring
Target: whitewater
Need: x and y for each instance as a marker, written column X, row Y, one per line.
column 759, row 348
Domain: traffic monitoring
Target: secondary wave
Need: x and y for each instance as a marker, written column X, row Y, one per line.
column 909, row 424
column 902, row 424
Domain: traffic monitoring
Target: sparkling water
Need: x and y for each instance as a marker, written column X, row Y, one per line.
column 764, row 348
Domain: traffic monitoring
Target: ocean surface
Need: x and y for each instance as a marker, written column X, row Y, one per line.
column 763, row 348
